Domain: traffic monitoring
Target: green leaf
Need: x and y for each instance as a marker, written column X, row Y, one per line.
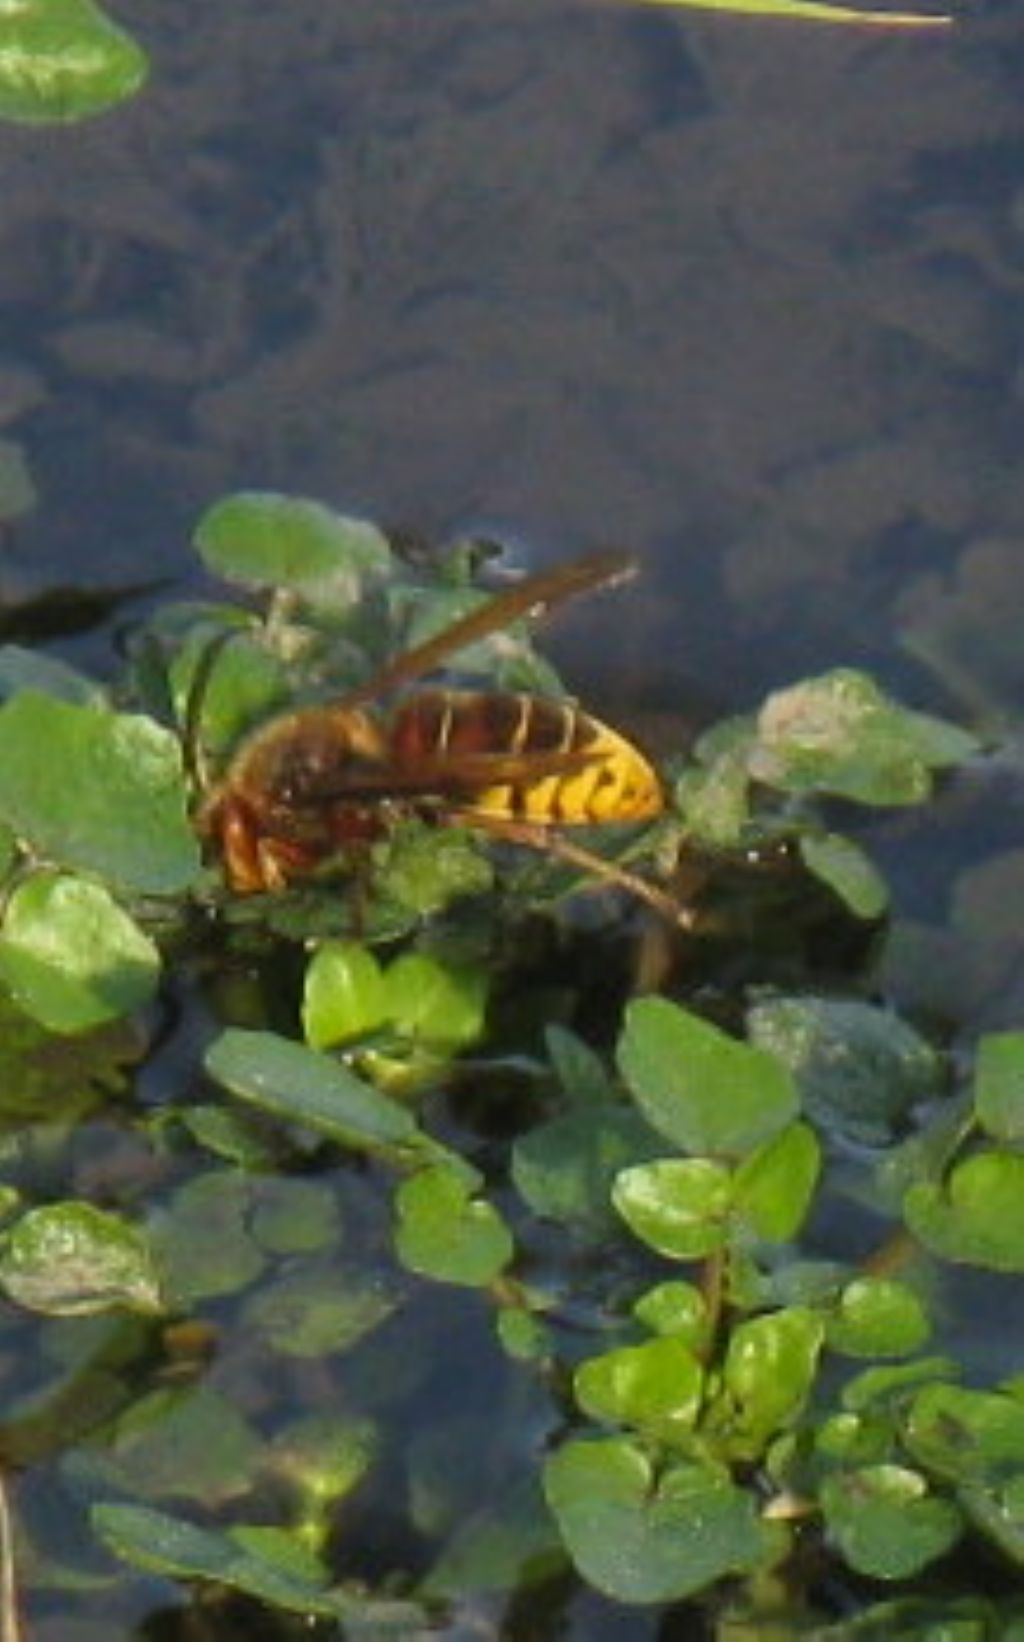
column 847, row 870
column 965, row 1435
column 23, row 669
column 678, row 1206
column 97, row 791
column 769, row 1369
column 655, row 1387
column 70, row 1259
column 322, row 1308
column 675, row 1308
column 63, row 60
column 299, row 1085
column 841, row 734
column 773, row 1187
column 247, row 682
column 438, row 1003
column 565, row 1168
column 326, row 1456
column 177, row 1549
column 580, row 1072
column 263, row 539
column 876, row 1390
column 885, row 1521
column 977, row 1215
column 702, row 1090
column 424, row 869
column 860, row 1069
column 203, row 1238
column 999, row 1085
column 188, row 1441
column 344, row 994
column 445, row 1233
column 878, row 1317
column 71, row 957
column 641, row 1535
column 713, row 801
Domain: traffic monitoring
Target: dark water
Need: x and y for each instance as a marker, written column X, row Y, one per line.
column 743, row 296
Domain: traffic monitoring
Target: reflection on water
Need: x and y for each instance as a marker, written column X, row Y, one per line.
column 739, row 295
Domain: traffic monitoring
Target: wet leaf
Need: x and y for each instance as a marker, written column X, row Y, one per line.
column 678, row 1206
column 69, row 1259
column 878, row 1317
column 444, row 1232
column 565, row 1168
column 847, row 870
column 344, row 994
column 203, row 1238
column 770, row 1366
column 247, row 683
column 655, row 1388
column 713, row 801
column 774, row 1186
column 886, row 1522
column 325, row 1456
column 62, row 60
column 188, row 1442
column 71, row 957
column 965, row 1435
column 675, row 1308
column 49, row 1079
column 644, row 1536
column 841, row 734
column 511, row 1543
column 301, row 1086
column 97, row 791
column 264, row 539
column 860, row 1069
column 321, row 1308
column 976, row 1215
column 702, row 1090
column 580, row 1072
column 438, row 1003
column 177, row 1549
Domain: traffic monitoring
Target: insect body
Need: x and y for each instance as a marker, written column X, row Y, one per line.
column 317, row 781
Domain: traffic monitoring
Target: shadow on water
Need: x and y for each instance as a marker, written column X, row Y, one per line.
column 744, row 297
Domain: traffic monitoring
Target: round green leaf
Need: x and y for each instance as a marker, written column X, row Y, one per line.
column 675, row 1308
column 98, row 791
column 999, row 1085
column 773, row 1187
column 840, row 733
column 878, row 1317
column 678, row 1206
column 654, row 1387
column 885, row 1522
column 70, row 1259
column 445, row 1233
column 62, row 60
column 702, row 1090
column 860, row 1069
column 435, row 1002
column 344, row 995
column 977, row 1215
column 769, row 1369
column 263, row 539
column 965, row 1435
column 71, row 957
column 847, row 870
column 641, row 1535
